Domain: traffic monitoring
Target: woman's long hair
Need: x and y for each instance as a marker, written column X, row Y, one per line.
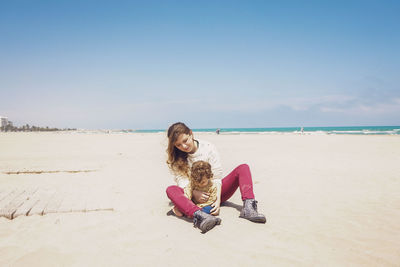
column 177, row 160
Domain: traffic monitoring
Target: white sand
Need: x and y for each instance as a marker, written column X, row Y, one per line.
column 329, row 201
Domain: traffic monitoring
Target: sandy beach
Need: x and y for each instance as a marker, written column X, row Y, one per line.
column 330, row 200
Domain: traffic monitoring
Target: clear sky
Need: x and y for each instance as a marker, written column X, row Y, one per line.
column 146, row 64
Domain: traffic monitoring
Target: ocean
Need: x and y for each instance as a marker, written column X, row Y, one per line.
column 355, row 130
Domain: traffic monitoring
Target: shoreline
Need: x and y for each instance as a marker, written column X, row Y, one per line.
column 305, row 133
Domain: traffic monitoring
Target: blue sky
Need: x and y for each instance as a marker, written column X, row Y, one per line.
column 147, row 64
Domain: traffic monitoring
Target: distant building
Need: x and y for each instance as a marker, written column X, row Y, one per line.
column 3, row 121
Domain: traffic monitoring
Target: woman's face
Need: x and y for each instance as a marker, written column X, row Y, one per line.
column 185, row 143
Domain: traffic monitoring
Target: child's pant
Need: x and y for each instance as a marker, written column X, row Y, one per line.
column 207, row 209
column 239, row 177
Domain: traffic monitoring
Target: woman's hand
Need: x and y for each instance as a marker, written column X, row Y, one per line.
column 200, row 196
column 215, row 205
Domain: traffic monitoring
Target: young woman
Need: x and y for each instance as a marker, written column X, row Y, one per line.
column 182, row 151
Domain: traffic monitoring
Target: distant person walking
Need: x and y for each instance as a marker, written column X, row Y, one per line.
column 217, row 131
column 183, row 150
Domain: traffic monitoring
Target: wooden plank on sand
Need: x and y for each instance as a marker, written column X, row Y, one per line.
column 8, row 197
column 9, row 210
column 44, row 199
column 54, row 203
column 30, row 202
column 78, row 204
column 91, row 203
column 17, row 202
column 11, row 203
column 66, row 203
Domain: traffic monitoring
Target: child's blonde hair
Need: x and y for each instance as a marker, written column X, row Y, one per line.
column 199, row 170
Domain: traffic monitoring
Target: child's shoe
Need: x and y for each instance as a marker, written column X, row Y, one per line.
column 205, row 222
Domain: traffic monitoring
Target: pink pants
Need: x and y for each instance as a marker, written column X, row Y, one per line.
column 239, row 177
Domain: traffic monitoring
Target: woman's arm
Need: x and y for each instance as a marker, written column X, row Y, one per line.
column 181, row 181
column 215, row 162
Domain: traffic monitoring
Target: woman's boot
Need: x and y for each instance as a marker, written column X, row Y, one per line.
column 250, row 213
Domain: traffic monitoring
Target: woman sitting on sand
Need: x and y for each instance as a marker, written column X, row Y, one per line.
column 182, row 151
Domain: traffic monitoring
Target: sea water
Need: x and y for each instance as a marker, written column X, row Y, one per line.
column 360, row 130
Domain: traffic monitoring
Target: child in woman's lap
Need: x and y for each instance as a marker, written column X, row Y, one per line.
column 200, row 179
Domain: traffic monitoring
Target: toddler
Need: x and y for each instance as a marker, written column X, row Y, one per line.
column 200, row 179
